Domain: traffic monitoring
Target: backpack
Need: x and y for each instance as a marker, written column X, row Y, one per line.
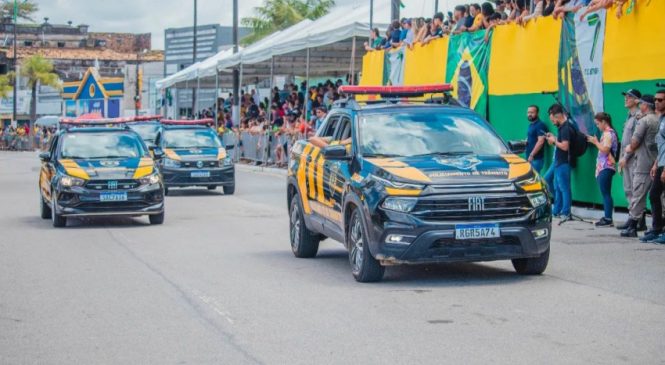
column 578, row 142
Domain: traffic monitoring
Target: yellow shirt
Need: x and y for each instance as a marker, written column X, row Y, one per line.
column 478, row 21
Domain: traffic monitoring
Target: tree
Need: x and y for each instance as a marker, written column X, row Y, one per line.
column 26, row 8
column 276, row 15
column 5, row 85
column 38, row 71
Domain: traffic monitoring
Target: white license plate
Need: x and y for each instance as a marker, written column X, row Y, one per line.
column 200, row 174
column 113, row 197
column 476, row 231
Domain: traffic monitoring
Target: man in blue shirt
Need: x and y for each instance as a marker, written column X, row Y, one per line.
column 535, row 141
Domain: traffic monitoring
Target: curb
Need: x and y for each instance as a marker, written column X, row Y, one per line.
column 262, row 169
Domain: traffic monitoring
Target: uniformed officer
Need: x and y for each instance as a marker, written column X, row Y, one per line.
column 658, row 176
column 643, row 146
column 626, row 160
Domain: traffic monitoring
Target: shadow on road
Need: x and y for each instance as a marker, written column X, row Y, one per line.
column 174, row 192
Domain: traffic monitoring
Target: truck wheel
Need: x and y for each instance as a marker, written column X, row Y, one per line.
column 304, row 243
column 229, row 190
column 44, row 208
column 532, row 266
column 364, row 267
column 156, row 218
column 57, row 219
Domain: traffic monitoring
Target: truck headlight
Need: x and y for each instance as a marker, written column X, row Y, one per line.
column 227, row 161
column 403, row 205
column 169, row 163
column 537, row 199
column 69, row 181
column 150, row 179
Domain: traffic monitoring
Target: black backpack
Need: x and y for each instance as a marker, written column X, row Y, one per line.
column 578, row 142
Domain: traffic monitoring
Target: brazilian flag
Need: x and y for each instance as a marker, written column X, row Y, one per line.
column 467, row 66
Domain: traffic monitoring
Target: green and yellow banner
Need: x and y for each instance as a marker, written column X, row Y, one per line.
column 468, row 62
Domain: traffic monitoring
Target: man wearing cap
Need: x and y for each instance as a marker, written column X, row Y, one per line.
column 631, row 100
column 658, row 174
column 407, row 30
column 643, row 146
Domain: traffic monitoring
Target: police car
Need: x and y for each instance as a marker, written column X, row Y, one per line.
column 411, row 183
column 191, row 154
column 99, row 168
column 147, row 126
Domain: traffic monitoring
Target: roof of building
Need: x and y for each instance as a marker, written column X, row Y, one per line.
column 84, row 54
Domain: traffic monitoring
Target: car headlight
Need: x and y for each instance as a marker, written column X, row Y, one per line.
column 227, row 161
column 171, row 163
column 150, row 179
column 534, row 183
column 69, row 181
column 537, row 199
column 403, row 205
column 396, row 184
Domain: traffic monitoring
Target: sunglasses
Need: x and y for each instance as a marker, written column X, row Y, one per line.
column 659, row 100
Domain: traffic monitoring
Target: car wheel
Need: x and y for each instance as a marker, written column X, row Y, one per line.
column 212, row 187
column 229, row 190
column 57, row 219
column 532, row 266
column 364, row 267
column 304, row 243
column 156, row 218
column 44, row 208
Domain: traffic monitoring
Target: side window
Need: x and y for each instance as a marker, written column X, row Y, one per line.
column 53, row 147
column 330, row 127
column 344, row 129
column 158, row 139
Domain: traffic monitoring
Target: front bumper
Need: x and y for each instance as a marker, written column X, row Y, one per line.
column 79, row 201
column 182, row 177
column 436, row 243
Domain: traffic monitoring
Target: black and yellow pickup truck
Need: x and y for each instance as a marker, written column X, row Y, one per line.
column 412, row 183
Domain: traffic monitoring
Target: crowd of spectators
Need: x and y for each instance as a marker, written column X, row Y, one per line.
column 469, row 18
column 23, row 138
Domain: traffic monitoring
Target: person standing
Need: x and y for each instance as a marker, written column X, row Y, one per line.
column 562, row 143
column 605, row 169
column 631, row 100
column 658, row 176
column 643, row 145
column 535, row 139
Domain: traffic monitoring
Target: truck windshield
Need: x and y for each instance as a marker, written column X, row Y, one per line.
column 101, row 145
column 191, row 138
column 426, row 133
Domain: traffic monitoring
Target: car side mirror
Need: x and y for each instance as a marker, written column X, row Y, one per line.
column 45, row 156
column 337, row 152
column 157, row 152
column 517, row 147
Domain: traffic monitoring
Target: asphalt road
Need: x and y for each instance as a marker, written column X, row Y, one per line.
column 217, row 283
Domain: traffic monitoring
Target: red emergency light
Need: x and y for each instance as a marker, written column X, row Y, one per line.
column 95, row 122
column 208, row 122
column 396, row 91
column 146, row 118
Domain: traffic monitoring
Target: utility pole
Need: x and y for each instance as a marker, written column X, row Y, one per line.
column 436, row 6
column 194, row 96
column 15, row 61
column 137, row 98
column 394, row 10
column 236, row 72
column 371, row 14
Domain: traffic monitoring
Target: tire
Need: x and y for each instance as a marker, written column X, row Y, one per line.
column 364, row 267
column 166, row 191
column 304, row 243
column 44, row 208
column 156, row 218
column 229, row 190
column 532, row 266
column 57, row 220
column 212, row 187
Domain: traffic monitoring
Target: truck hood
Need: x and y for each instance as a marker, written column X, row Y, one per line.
column 108, row 169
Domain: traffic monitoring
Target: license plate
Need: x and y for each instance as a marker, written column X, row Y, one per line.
column 200, row 174
column 476, row 231
column 113, row 197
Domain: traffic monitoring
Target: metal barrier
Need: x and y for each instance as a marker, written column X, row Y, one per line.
column 16, row 142
column 265, row 149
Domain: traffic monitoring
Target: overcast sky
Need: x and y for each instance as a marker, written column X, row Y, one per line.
column 153, row 16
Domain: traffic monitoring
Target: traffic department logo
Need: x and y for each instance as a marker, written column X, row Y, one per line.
column 476, row 203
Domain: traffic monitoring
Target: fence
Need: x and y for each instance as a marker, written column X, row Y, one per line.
column 264, row 149
column 15, row 142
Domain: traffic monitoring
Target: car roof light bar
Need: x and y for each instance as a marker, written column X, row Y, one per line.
column 207, row 122
column 396, row 91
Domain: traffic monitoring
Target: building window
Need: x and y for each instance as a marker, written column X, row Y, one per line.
column 27, row 43
column 61, row 44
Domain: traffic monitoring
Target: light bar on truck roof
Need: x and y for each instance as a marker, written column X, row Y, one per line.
column 95, row 122
column 208, row 122
column 396, row 91
column 147, row 118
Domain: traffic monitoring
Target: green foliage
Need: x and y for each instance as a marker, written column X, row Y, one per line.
column 5, row 85
column 39, row 69
column 276, row 15
column 26, row 9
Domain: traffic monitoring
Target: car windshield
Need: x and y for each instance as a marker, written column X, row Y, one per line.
column 191, row 138
column 101, row 145
column 147, row 131
column 426, row 133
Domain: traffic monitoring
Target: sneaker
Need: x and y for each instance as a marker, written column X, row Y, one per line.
column 565, row 218
column 660, row 240
column 604, row 222
column 650, row 236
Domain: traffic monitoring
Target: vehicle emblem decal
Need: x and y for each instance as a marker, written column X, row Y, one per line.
column 112, row 185
column 110, row 163
column 199, row 164
column 476, row 203
column 461, row 163
column 195, row 151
